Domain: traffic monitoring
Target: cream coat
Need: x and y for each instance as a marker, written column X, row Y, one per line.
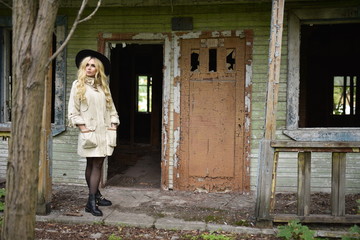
column 101, row 139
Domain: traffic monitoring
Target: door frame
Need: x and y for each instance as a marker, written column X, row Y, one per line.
column 180, row 175
column 105, row 42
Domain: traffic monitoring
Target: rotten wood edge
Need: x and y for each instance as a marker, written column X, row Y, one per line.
column 316, row 218
column 281, row 145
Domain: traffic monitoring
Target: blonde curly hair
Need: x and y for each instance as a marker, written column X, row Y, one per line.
column 100, row 79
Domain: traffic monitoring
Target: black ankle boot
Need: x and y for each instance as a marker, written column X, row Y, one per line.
column 91, row 206
column 101, row 201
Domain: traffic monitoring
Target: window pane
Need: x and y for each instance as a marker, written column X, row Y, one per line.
column 150, row 97
column 142, row 99
column 338, row 102
column 143, row 80
column 344, row 95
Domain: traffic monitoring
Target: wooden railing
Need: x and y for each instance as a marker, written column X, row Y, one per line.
column 304, row 149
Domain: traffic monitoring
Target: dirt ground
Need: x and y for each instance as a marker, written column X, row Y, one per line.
column 103, row 232
column 71, row 200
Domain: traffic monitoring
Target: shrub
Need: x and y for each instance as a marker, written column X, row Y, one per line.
column 295, row 231
column 354, row 233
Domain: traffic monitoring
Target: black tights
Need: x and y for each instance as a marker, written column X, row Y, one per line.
column 93, row 173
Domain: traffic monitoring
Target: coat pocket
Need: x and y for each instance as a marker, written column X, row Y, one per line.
column 88, row 139
column 84, row 106
column 111, row 137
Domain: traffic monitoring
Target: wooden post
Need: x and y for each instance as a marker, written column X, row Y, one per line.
column 266, row 153
column 45, row 180
column 304, row 179
column 273, row 182
column 338, row 184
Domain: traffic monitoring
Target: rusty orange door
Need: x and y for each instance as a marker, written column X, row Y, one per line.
column 212, row 117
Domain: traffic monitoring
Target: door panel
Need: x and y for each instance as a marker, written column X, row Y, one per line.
column 212, row 113
column 212, row 127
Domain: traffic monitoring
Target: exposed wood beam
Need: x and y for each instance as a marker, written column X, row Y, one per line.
column 266, row 152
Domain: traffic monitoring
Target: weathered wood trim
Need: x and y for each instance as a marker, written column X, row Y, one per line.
column 304, row 179
column 293, row 72
column 273, row 183
column 324, row 134
column 60, row 79
column 312, row 15
column 266, row 156
column 293, row 146
column 338, row 179
column 169, row 141
column 296, row 18
column 263, row 203
column 317, row 218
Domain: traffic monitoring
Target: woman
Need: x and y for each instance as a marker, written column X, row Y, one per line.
column 92, row 110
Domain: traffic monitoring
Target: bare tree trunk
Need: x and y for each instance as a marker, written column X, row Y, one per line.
column 33, row 23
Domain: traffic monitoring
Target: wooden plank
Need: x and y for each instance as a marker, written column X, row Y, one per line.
column 273, row 182
column 338, row 184
column 276, row 27
column 296, row 144
column 262, row 211
column 5, row 129
column 293, row 87
column 318, row 218
column 45, row 180
column 314, row 149
column 304, row 179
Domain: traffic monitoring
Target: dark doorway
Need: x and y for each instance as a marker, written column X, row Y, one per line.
column 136, row 85
column 329, row 75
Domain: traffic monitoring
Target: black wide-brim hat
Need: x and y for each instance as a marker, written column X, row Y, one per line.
column 90, row 53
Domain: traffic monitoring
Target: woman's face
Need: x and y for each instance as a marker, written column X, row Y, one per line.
column 90, row 68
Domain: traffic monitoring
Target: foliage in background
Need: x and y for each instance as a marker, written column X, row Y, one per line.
column 354, row 233
column 2, row 199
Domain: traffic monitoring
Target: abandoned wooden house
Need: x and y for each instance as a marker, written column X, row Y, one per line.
column 191, row 82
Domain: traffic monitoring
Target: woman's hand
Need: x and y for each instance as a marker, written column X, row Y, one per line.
column 83, row 128
column 114, row 125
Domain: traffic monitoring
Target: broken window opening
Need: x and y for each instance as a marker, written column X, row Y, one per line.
column 194, row 60
column 344, row 95
column 212, row 60
column 329, row 75
column 230, row 59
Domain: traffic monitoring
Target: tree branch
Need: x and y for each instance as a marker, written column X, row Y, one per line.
column 91, row 14
column 7, row 5
column 72, row 30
